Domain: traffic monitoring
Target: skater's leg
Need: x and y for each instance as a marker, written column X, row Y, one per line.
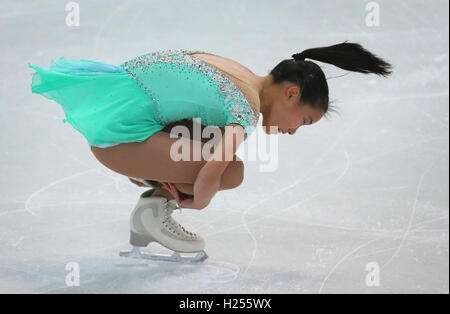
column 151, row 159
column 187, row 188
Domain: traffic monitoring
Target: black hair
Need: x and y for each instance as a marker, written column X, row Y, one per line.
column 310, row 77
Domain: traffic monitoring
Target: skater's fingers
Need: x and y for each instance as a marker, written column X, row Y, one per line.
column 169, row 187
column 174, row 191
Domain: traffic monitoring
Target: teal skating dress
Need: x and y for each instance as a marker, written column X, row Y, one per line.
column 111, row 104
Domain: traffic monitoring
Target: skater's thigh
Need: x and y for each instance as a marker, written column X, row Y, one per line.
column 152, row 160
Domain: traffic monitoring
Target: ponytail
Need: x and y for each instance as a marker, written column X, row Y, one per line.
column 310, row 77
column 347, row 56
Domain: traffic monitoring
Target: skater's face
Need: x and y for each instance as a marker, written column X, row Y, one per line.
column 286, row 113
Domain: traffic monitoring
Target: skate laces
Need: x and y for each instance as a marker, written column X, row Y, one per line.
column 172, row 225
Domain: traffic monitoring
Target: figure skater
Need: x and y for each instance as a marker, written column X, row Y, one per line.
column 127, row 112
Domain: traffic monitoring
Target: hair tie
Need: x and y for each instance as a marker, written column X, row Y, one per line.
column 299, row 56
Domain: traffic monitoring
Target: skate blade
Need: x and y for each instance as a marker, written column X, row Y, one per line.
column 136, row 253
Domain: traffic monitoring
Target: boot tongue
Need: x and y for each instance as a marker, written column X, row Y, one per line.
column 171, row 205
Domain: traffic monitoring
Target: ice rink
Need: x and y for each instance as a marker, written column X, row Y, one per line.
column 365, row 190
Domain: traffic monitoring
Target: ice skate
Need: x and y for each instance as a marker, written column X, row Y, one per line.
column 151, row 220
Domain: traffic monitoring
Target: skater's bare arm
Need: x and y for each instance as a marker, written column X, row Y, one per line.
column 209, row 177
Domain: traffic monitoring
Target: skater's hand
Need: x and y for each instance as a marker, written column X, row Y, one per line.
column 182, row 202
column 137, row 182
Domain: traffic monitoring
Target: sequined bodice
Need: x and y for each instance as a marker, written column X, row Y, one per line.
column 183, row 86
column 247, row 90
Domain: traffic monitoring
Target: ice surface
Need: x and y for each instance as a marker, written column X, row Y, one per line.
column 369, row 185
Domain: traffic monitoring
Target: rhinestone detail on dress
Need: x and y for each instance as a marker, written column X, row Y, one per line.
column 234, row 100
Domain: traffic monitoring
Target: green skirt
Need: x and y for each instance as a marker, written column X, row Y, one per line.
column 101, row 101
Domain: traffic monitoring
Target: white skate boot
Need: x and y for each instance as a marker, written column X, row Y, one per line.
column 151, row 220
